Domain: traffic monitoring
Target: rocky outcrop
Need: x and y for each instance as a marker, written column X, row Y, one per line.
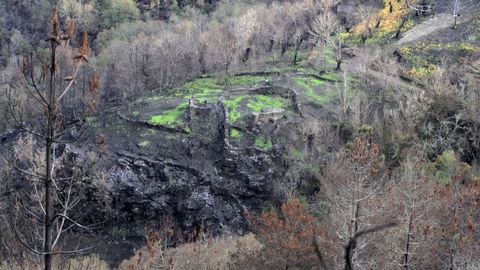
column 213, row 193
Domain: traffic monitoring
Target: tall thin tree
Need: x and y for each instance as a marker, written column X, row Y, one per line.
column 53, row 197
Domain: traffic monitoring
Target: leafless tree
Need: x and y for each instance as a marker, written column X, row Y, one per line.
column 367, row 13
column 51, row 195
column 222, row 46
column 353, row 187
column 326, row 28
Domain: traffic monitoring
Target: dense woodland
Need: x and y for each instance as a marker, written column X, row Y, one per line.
column 253, row 134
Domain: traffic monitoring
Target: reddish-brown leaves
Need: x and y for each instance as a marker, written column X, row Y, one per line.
column 71, row 28
column 55, row 23
column 84, row 48
column 288, row 234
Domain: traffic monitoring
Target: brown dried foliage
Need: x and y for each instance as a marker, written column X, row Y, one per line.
column 288, row 236
column 71, row 28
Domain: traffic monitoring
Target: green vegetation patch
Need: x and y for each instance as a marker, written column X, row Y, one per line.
column 308, row 85
column 264, row 143
column 203, row 86
column 259, row 103
column 232, row 105
column 135, row 113
column 243, row 80
column 144, row 143
column 326, row 94
column 255, row 103
column 235, row 133
column 208, row 88
column 171, row 117
column 423, row 58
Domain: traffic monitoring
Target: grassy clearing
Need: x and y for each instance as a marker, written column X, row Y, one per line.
column 259, row 103
column 255, row 103
column 264, row 143
column 170, row 117
column 208, row 87
column 308, row 85
column 326, row 94
column 203, row 87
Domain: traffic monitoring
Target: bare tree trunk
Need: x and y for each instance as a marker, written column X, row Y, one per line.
column 339, row 56
column 51, row 117
column 352, row 242
column 455, row 14
column 295, row 57
column 406, row 254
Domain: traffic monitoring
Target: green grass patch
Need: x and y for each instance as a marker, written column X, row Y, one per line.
column 260, row 102
column 232, row 105
column 208, row 88
column 203, row 89
column 264, row 143
column 255, row 103
column 203, row 85
column 243, row 80
column 135, row 113
column 144, row 143
column 170, row 117
column 235, row 133
column 316, row 82
column 308, row 86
